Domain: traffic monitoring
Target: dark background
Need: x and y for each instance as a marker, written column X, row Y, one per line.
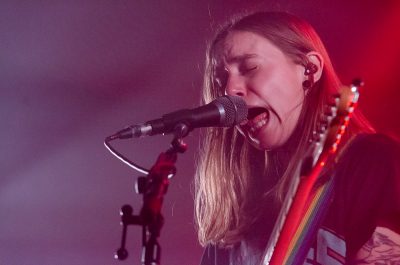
column 73, row 72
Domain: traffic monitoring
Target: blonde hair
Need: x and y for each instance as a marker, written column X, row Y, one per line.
column 228, row 165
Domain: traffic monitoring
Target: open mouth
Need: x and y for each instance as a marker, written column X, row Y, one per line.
column 255, row 111
column 256, row 119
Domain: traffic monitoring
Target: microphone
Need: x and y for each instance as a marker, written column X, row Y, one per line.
column 225, row 111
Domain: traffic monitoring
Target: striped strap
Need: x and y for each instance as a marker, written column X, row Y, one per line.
column 314, row 212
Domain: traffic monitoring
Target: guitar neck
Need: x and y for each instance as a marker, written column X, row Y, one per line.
column 292, row 215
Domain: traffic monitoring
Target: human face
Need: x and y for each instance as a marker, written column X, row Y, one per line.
column 260, row 73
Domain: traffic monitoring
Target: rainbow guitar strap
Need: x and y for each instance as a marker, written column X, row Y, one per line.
column 309, row 194
column 314, row 212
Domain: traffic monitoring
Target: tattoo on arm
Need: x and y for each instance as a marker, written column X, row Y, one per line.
column 383, row 248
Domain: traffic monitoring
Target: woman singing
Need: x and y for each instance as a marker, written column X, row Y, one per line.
column 277, row 63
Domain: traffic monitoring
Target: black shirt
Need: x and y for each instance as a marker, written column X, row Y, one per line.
column 366, row 195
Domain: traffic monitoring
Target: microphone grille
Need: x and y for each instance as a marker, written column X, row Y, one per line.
column 235, row 110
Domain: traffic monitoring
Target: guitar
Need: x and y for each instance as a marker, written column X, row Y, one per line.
column 286, row 238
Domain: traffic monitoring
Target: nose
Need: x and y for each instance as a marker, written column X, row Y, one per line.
column 235, row 86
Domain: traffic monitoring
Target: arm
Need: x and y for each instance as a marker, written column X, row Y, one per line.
column 382, row 248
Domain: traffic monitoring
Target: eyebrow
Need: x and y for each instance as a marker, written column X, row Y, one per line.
column 239, row 58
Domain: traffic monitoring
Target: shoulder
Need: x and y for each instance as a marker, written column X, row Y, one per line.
column 369, row 162
column 367, row 184
column 370, row 152
column 376, row 143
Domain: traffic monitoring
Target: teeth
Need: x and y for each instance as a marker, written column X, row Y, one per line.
column 256, row 123
column 257, row 126
column 260, row 117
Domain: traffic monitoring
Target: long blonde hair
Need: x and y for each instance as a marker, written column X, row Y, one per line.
column 228, row 164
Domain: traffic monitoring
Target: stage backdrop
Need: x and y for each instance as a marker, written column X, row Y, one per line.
column 73, row 72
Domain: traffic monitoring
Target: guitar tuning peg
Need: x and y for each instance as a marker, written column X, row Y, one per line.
column 336, row 101
column 331, row 111
column 317, row 136
column 324, row 124
column 336, row 98
column 328, row 112
column 358, row 82
column 322, row 130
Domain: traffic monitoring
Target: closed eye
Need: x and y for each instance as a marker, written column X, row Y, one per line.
column 246, row 70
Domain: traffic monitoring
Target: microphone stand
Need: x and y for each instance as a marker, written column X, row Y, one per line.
column 153, row 187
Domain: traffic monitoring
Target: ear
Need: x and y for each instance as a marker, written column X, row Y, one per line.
column 318, row 61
